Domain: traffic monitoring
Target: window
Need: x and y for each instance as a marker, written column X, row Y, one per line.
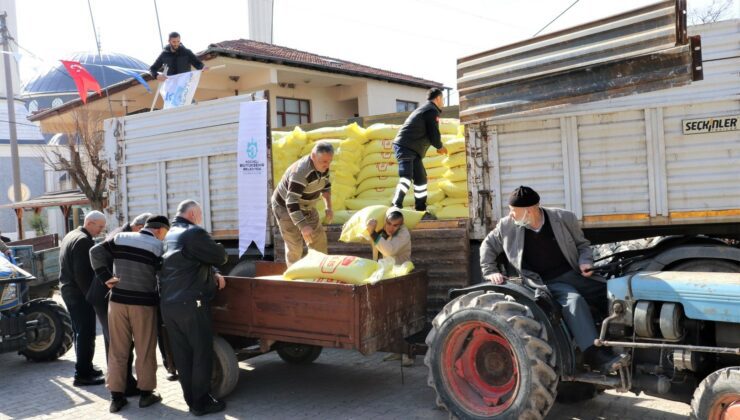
column 405, row 106
column 292, row 111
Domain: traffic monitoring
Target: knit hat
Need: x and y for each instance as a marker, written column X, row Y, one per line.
column 523, row 197
column 156, row 222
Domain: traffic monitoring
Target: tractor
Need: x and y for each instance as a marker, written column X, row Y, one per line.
column 503, row 352
column 39, row 329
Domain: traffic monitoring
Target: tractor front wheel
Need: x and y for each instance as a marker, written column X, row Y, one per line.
column 489, row 357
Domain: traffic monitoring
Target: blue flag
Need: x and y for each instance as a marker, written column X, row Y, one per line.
column 136, row 74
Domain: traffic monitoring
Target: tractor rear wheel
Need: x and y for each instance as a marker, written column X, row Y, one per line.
column 489, row 357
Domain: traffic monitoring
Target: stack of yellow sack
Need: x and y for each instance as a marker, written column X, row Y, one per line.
column 378, row 174
column 454, row 182
column 286, row 149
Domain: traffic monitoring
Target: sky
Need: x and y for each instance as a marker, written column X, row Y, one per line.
column 423, row 38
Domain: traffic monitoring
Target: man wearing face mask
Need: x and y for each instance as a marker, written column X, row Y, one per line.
column 547, row 248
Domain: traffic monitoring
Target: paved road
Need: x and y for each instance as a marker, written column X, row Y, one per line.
column 339, row 385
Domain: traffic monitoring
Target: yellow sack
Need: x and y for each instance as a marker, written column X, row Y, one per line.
column 386, row 195
column 382, row 131
column 355, row 229
column 352, row 144
column 344, row 166
column 450, row 201
column 461, row 131
column 458, row 173
column 342, row 190
column 433, row 161
column 458, row 159
column 347, row 156
column 447, row 138
column 341, row 216
column 454, row 189
column 401, row 270
column 457, row 211
column 298, row 137
column 455, row 145
column 347, row 131
column 438, row 172
column 361, row 203
column 276, row 135
column 342, row 178
column 448, row 125
column 378, row 169
column 373, row 158
column 315, row 264
column 377, row 182
column 378, row 146
column 377, row 192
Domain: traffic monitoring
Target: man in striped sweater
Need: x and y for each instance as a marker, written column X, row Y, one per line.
column 132, row 311
column 294, row 202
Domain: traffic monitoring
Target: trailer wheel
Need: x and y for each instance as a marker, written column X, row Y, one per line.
column 54, row 330
column 489, row 357
column 225, row 373
column 298, row 354
column 718, row 396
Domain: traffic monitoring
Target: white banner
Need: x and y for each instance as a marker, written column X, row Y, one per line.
column 251, row 159
column 179, row 89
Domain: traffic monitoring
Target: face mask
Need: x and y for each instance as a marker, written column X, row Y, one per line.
column 524, row 222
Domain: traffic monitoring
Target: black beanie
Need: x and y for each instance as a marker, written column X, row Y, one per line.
column 156, row 222
column 523, row 197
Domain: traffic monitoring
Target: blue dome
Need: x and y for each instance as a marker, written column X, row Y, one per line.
column 58, row 81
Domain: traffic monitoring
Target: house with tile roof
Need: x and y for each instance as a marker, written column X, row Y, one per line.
column 303, row 87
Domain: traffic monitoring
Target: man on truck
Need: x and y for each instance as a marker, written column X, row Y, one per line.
column 418, row 132
column 547, row 248
column 294, row 202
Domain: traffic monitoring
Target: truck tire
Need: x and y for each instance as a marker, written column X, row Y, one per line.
column 55, row 329
column 718, row 395
column 489, row 357
column 707, row 265
column 225, row 373
column 298, row 354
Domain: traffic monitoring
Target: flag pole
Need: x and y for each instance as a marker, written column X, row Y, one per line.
column 156, row 93
column 100, row 55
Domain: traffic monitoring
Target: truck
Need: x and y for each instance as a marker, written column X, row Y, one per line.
column 629, row 162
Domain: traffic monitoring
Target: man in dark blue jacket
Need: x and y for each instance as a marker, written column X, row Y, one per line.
column 176, row 57
column 187, row 284
column 420, row 131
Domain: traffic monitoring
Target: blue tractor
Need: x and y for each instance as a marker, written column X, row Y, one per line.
column 499, row 352
column 39, row 329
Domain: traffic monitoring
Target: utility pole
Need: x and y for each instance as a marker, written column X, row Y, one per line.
column 11, row 120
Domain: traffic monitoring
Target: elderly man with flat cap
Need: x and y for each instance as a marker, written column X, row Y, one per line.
column 547, row 248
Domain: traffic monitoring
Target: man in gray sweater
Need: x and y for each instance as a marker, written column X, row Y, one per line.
column 132, row 311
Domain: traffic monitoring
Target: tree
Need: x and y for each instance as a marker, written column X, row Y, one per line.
column 715, row 11
column 82, row 157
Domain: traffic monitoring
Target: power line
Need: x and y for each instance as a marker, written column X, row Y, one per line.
column 556, row 18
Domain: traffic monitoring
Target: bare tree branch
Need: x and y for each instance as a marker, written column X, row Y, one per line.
column 81, row 158
column 714, row 12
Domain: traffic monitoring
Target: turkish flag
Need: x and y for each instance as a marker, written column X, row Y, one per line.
column 82, row 79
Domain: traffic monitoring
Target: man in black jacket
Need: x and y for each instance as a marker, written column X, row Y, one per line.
column 176, row 57
column 420, row 131
column 187, row 283
column 75, row 277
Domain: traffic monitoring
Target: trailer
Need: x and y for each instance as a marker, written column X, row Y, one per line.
column 255, row 315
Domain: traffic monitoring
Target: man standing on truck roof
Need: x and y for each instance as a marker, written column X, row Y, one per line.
column 420, row 131
column 187, row 284
column 75, row 276
column 547, row 248
column 294, row 202
column 176, row 57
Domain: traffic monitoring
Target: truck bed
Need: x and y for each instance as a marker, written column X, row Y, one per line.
column 365, row 318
